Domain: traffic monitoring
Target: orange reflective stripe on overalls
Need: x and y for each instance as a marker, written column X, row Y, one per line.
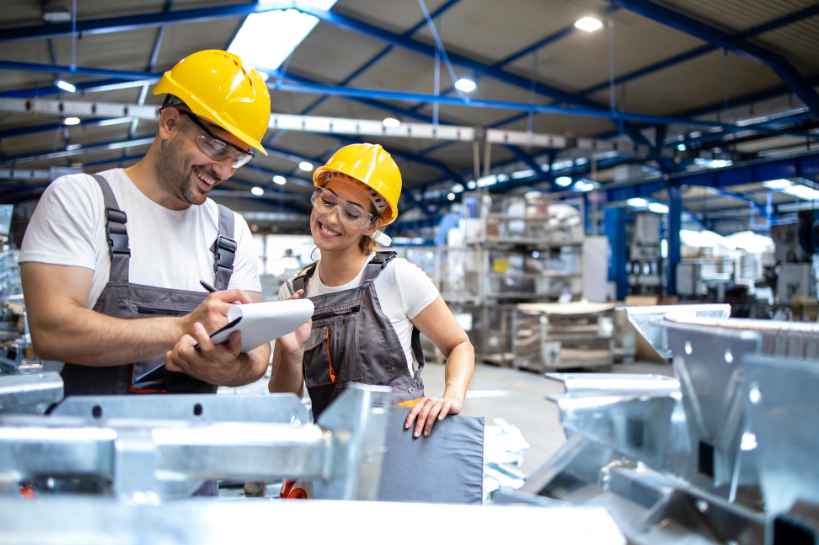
column 361, row 343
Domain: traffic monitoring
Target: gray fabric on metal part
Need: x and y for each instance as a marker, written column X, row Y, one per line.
column 446, row 467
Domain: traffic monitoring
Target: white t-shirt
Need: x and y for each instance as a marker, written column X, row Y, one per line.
column 169, row 248
column 403, row 290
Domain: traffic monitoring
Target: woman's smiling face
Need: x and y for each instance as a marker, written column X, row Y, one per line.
column 329, row 232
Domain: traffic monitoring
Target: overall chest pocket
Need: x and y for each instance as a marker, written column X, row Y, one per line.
column 331, row 354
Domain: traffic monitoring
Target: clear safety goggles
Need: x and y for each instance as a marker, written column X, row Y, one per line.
column 349, row 213
column 216, row 148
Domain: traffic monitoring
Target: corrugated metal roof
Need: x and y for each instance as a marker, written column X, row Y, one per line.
column 507, row 27
column 479, row 29
column 737, row 15
column 798, row 42
column 695, row 83
column 582, row 59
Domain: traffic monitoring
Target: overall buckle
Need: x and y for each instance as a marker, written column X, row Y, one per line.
column 225, row 252
column 116, row 233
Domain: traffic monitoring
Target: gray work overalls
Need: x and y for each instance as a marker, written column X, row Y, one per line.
column 122, row 299
column 352, row 340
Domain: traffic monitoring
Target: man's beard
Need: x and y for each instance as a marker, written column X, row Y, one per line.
column 173, row 172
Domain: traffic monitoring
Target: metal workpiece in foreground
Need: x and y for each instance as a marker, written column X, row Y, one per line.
column 30, row 394
column 95, row 521
column 723, row 454
column 140, row 458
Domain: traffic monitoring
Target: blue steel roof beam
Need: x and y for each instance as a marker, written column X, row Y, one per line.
column 82, row 87
column 779, row 64
column 761, row 128
column 370, row 63
column 348, row 23
column 483, row 103
column 740, row 197
column 732, row 103
column 688, row 55
column 300, row 85
column 117, row 144
column 36, row 129
column 530, row 162
column 445, row 169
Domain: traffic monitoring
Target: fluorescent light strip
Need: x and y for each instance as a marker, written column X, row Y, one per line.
column 267, row 39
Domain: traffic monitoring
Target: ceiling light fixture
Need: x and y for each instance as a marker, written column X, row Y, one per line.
column 56, row 14
column 258, row 191
column 589, row 24
column 466, row 85
column 563, row 181
column 71, row 121
column 637, row 202
column 681, row 147
column 266, row 39
column 305, row 166
column 658, row 208
column 280, row 180
column 65, row 86
column 391, row 122
column 451, row 196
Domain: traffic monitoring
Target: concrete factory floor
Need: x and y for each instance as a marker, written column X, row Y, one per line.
column 515, row 396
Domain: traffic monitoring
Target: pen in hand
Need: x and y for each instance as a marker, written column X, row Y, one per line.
column 212, row 289
column 208, row 286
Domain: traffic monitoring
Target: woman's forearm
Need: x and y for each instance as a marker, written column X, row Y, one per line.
column 286, row 373
column 458, row 373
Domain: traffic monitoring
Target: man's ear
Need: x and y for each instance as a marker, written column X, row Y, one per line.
column 169, row 122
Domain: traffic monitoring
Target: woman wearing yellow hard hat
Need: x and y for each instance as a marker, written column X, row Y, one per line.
column 370, row 307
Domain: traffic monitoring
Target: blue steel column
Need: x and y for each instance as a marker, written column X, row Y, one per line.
column 614, row 225
column 674, row 228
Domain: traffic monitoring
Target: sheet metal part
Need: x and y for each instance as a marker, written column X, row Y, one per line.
column 269, row 408
column 695, row 460
column 150, row 458
column 781, row 405
column 30, row 394
column 649, row 321
column 95, row 521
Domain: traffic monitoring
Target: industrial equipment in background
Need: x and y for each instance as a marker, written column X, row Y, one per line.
column 513, row 274
column 16, row 352
column 635, row 256
column 723, row 453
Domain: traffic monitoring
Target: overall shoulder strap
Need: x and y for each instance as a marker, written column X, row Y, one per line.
column 418, row 352
column 115, row 233
column 224, row 249
column 303, row 277
column 376, row 265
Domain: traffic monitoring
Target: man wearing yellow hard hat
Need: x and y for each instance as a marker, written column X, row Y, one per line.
column 112, row 264
column 370, row 307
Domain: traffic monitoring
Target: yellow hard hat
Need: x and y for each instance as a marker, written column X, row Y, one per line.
column 371, row 165
column 224, row 89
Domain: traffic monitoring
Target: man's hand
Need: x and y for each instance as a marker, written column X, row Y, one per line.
column 428, row 410
column 213, row 363
column 212, row 312
column 293, row 343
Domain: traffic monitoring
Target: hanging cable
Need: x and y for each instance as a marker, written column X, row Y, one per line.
column 437, row 87
column 440, row 46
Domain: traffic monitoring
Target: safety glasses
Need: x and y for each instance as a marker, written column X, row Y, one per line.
column 350, row 214
column 216, row 148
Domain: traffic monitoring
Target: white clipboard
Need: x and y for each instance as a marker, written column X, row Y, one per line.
column 261, row 323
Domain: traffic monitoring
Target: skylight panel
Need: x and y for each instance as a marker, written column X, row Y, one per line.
column 267, row 39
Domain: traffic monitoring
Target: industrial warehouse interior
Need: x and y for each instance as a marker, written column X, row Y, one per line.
column 505, row 268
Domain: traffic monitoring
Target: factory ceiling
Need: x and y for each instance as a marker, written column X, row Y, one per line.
column 686, row 84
